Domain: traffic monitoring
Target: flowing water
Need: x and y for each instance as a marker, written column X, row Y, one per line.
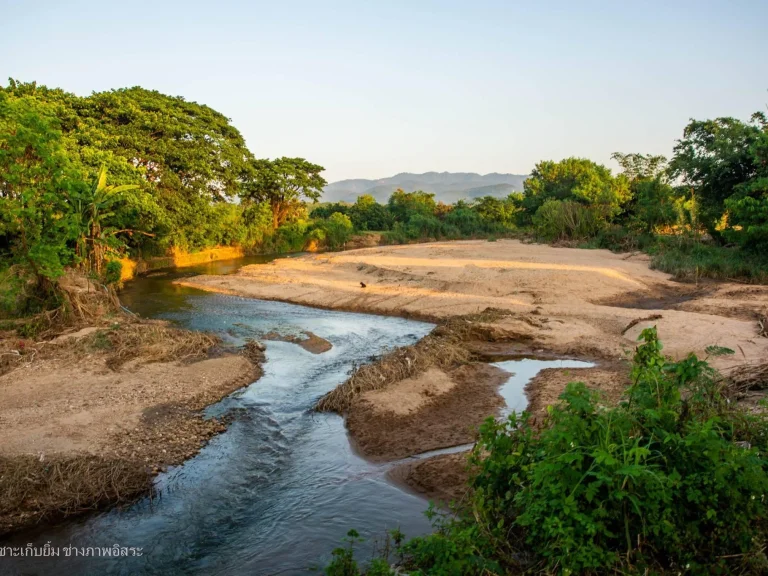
column 277, row 491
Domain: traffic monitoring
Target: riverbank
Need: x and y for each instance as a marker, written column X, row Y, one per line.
column 563, row 302
column 90, row 416
column 132, row 267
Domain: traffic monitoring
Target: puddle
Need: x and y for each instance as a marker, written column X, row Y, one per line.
column 523, row 371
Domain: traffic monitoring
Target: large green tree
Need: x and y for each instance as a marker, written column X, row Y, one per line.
column 653, row 201
column 579, row 180
column 285, row 184
column 187, row 155
column 37, row 184
column 403, row 204
column 748, row 206
column 713, row 159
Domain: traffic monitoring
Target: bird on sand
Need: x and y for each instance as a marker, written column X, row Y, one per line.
column 362, row 284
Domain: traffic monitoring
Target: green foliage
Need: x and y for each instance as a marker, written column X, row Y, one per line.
column 367, row 214
column 284, row 183
column 653, row 204
column 112, row 272
column 338, row 228
column 343, row 561
column 497, row 210
column 717, row 159
column 689, row 259
column 673, row 479
column 566, row 220
column 404, row 205
column 37, row 183
column 578, row 180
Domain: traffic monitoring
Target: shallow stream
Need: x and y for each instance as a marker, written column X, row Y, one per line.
column 277, row 491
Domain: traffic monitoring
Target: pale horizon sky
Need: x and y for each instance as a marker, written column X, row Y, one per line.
column 371, row 89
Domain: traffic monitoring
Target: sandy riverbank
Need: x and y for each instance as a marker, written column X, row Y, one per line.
column 565, row 300
column 88, row 419
column 585, row 304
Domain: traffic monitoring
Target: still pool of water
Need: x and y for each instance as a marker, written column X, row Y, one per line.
column 523, row 371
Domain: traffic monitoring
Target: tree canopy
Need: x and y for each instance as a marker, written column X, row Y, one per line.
column 579, row 180
column 284, row 184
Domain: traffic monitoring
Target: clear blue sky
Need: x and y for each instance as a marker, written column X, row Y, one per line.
column 369, row 89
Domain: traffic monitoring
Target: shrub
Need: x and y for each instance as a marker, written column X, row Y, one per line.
column 338, row 228
column 566, row 220
column 113, row 272
column 674, row 478
column 423, row 226
column 689, row 259
column 466, row 220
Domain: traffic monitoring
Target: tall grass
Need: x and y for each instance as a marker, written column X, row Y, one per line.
column 687, row 259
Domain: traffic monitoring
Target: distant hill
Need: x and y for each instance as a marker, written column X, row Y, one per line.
column 447, row 186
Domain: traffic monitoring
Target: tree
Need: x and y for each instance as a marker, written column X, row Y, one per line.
column 497, row 210
column 748, row 206
column 367, row 214
column 37, row 182
column 653, row 201
column 403, row 205
column 95, row 211
column 187, row 155
column 284, row 183
column 338, row 228
column 641, row 166
column 713, row 158
column 579, row 180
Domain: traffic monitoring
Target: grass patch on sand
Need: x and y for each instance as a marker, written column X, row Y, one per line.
column 443, row 348
column 123, row 341
column 32, row 489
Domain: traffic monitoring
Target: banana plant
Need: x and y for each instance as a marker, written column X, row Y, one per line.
column 97, row 239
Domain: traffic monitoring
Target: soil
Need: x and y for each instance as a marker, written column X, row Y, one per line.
column 441, row 479
column 545, row 388
column 74, row 403
column 442, row 410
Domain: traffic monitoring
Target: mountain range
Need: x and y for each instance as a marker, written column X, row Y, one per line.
column 447, row 187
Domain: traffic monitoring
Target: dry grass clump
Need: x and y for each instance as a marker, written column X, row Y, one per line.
column 32, row 490
column 129, row 339
column 747, row 377
column 152, row 342
column 442, row 348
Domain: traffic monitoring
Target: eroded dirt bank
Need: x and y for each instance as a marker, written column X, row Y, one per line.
column 90, row 417
column 581, row 304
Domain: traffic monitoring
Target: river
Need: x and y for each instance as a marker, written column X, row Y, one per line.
column 277, row 491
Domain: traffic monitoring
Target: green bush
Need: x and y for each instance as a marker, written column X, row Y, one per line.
column 423, row 226
column 113, row 272
column 566, row 220
column 337, row 228
column 467, row 221
column 690, row 259
column 673, row 479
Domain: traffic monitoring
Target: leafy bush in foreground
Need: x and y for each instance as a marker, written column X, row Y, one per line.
column 673, row 479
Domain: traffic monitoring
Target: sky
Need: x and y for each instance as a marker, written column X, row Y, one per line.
column 370, row 89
